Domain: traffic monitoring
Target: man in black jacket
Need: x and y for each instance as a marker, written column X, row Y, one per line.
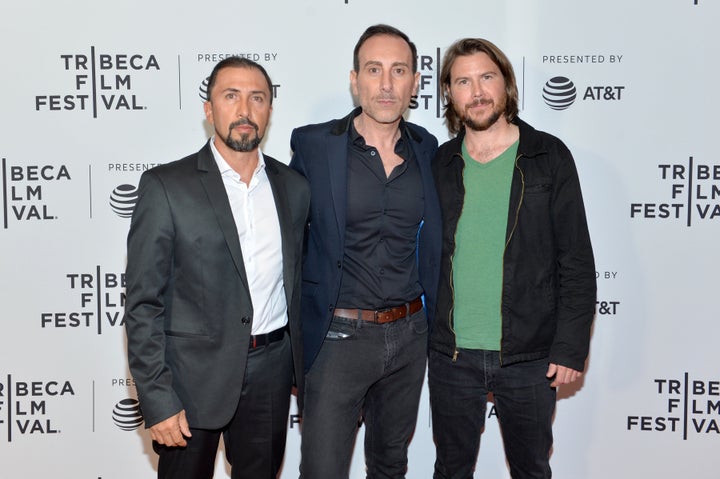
column 373, row 249
column 517, row 288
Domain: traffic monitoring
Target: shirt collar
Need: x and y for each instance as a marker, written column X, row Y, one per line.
column 225, row 168
column 355, row 137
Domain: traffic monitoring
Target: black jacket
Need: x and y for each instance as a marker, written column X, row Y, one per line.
column 548, row 283
column 320, row 154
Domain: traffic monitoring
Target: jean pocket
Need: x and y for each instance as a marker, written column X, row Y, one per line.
column 341, row 328
column 418, row 322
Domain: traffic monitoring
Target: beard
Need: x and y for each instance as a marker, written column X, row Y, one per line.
column 482, row 124
column 245, row 143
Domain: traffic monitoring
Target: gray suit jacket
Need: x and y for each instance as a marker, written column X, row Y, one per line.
column 188, row 313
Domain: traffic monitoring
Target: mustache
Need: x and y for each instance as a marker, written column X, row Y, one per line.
column 244, row 121
column 482, row 101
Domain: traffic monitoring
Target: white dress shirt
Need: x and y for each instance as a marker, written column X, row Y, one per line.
column 256, row 220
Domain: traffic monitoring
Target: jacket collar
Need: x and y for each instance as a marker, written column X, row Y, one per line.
column 206, row 160
column 530, row 145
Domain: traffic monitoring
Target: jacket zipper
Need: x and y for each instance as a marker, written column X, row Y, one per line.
column 452, row 280
column 512, row 231
column 452, row 308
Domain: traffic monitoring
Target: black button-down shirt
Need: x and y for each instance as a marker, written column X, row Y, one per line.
column 383, row 217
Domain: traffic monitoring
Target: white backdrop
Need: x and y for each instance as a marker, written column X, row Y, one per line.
column 93, row 93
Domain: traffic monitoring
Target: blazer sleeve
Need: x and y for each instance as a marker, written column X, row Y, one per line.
column 148, row 277
column 297, row 161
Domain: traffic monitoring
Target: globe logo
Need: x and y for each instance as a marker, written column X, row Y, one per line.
column 123, row 199
column 127, row 415
column 559, row 93
column 204, row 89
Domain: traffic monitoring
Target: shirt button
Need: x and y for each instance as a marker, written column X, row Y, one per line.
column 373, row 153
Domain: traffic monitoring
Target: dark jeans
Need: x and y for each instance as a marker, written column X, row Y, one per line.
column 524, row 402
column 255, row 437
column 364, row 369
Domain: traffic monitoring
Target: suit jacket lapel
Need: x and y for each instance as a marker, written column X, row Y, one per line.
column 336, row 155
column 281, row 195
column 215, row 190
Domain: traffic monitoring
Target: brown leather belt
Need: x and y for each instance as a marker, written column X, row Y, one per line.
column 382, row 316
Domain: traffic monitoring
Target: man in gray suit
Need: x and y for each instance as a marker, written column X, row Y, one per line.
column 213, row 286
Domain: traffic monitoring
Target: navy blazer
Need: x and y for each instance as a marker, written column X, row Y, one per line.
column 320, row 153
column 188, row 312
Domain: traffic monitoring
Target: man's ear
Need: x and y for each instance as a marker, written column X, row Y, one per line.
column 207, row 107
column 353, row 82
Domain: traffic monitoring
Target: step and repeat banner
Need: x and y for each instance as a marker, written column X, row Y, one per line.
column 94, row 93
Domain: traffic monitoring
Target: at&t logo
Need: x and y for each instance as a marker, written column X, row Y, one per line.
column 123, row 199
column 203, row 91
column 560, row 93
column 127, row 415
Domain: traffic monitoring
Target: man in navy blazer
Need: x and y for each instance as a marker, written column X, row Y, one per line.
column 372, row 255
column 213, row 280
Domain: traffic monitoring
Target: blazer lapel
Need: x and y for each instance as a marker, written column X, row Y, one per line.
column 336, row 155
column 281, row 196
column 215, row 190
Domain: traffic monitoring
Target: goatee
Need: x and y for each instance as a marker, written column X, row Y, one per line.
column 245, row 143
column 484, row 124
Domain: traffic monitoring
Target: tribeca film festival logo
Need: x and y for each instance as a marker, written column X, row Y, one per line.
column 24, row 405
column 694, row 194
column 100, row 302
column 561, row 92
column 690, row 407
column 101, row 82
column 23, row 191
column 429, row 97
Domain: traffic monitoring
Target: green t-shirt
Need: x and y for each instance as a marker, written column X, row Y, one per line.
column 479, row 248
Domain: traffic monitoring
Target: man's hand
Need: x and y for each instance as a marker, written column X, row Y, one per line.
column 172, row 431
column 562, row 375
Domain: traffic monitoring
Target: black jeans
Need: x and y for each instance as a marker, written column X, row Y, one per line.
column 364, row 369
column 255, row 437
column 524, row 402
